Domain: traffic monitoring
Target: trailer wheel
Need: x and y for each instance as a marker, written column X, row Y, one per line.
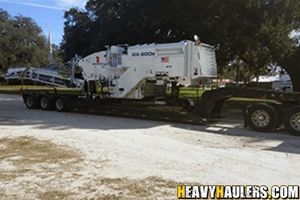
column 46, row 103
column 61, row 104
column 292, row 120
column 30, row 102
column 261, row 117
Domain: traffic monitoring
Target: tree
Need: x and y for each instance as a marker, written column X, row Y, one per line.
column 21, row 42
column 77, row 39
column 253, row 32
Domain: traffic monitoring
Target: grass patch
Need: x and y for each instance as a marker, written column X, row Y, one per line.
column 54, row 195
column 149, row 188
column 12, row 174
column 24, row 152
column 33, row 151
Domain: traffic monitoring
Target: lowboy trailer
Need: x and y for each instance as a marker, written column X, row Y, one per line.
column 134, row 80
column 284, row 109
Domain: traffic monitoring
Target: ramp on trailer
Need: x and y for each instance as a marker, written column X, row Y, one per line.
column 49, row 76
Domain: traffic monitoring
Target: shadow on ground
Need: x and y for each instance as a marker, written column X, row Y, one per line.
column 14, row 113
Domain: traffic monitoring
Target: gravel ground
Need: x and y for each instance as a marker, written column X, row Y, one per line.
column 50, row 155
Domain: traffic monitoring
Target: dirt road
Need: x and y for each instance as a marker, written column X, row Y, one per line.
column 50, row 155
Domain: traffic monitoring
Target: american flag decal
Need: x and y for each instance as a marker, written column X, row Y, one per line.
column 164, row 59
column 97, row 59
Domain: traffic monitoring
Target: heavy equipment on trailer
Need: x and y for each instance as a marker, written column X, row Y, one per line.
column 143, row 71
column 50, row 75
column 133, row 81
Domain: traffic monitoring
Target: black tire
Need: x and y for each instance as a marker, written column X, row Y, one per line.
column 31, row 102
column 46, row 103
column 62, row 104
column 261, row 117
column 292, row 120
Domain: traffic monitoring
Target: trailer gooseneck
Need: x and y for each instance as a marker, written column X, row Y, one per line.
column 262, row 116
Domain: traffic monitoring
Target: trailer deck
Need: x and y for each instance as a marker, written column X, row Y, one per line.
column 283, row 109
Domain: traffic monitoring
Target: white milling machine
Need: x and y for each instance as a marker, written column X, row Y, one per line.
column 135, row 72
column 132, row 72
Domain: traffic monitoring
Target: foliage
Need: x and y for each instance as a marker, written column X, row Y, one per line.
column 255, row 33
column 21, row 42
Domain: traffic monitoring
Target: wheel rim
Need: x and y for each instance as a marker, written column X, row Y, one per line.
column 260, row 118
column 295, row 121
column 44, row 103
column 29, row 102
column 59, row 104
